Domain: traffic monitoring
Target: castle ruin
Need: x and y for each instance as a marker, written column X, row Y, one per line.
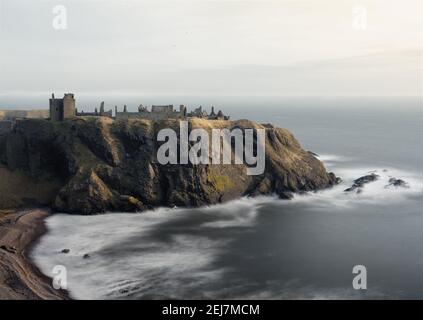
column 96, row 113
column 65, row 108
column 61, row 109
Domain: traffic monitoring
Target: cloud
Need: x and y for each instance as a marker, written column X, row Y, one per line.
column 216, row 47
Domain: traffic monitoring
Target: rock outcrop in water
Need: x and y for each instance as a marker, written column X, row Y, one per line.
column 360, row 182
column 394, row 182
column 91, row 165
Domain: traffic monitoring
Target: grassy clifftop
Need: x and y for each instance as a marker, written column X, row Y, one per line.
column 91, row 165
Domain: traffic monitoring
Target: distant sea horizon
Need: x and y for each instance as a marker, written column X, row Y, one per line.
column 90, row 101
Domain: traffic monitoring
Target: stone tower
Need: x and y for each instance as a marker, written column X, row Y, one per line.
column 56, row 109
column 61, row 109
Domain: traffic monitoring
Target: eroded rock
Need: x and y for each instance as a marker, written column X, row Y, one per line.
column 397, row 183
column 360, row 182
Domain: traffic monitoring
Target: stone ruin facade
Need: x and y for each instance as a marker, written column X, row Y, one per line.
column 156, row 113
column 96, row 113
column 65, row 108
column 168, row 112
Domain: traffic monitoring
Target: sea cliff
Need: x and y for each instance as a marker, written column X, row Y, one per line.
column 91, row 165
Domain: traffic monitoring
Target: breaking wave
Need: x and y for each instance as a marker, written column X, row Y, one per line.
column 375, row 192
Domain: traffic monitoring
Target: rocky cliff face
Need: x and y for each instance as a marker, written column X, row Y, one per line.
column 89, row 165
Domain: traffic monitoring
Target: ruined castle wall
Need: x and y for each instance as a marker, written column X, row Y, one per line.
column 93, row 114
column 147, row 115
column 160, row 109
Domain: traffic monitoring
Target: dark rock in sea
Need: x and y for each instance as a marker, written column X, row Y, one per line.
column 360, row 182
column 393, row 182
column 85, row 256
column 65, row 251
column 93, row 165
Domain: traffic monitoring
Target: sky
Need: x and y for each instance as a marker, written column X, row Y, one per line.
column 212, row 47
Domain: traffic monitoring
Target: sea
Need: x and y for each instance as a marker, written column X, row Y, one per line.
column 266, row 248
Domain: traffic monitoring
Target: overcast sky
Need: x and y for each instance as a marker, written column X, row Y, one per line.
column 217, row 47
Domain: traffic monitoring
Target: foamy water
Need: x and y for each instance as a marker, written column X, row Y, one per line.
column 379, row 191
column 249, row 248
column 123, row 257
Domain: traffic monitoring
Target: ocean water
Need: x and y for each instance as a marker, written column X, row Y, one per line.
column 267, row 248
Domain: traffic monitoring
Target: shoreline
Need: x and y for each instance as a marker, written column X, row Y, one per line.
column 20, row 279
